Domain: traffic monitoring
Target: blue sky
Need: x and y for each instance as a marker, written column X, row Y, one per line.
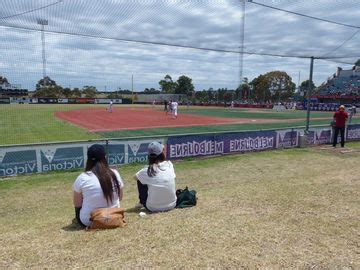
column 107, row 61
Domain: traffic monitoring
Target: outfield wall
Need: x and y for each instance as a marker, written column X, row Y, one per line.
column 25, row 159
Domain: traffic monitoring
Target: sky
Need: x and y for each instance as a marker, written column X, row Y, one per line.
column 107, row 43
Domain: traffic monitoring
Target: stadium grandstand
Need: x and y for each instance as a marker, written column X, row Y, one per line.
column 12, row 90
column 343, row 86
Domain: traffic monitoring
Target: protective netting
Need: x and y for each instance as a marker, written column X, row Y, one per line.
column 110, row 40
column 106, row 43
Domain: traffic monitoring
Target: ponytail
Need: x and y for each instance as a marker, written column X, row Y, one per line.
column 153, row 163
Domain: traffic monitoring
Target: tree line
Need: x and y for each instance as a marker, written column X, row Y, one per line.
column 272, row 86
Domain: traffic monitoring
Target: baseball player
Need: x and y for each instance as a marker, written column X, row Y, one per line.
column 174, row 106
column 110, row 106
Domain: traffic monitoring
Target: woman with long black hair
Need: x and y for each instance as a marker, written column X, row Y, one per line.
column 97, row 187
column 156, row 182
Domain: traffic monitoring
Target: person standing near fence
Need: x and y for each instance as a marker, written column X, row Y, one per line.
column 165, row 105
column 340, row 118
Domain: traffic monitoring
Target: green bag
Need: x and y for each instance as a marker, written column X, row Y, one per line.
column 185, row 198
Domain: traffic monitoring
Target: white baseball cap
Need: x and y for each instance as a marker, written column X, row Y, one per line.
column 155, row 148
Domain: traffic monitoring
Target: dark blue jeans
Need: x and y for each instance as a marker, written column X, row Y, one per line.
column 77, row 216
column 336, row 134
column 143, row 193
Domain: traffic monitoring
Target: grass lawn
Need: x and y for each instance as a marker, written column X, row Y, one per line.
column 22, row 124
column 245, row 113
column 215, row 128
column 295, row 208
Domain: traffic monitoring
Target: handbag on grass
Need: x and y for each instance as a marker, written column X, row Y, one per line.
column 107, row 218
column 185, row 198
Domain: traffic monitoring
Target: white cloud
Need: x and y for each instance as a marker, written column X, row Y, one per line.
column 77, row 61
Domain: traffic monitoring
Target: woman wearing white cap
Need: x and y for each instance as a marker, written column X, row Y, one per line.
column 156, row 182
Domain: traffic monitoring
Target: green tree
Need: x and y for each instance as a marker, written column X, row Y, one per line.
column 184, row 86
column 304, row 87
column 167, row 85
column 76, row 92
column 210, row 94
column 221, row 94
column 280, row 85
column 151, row 91
column 54, row 91
column 357, row 63
column 242, row 92
column 89, row 91
column 3, row 80
column 260, row 88
column 66, row 92
column 114, row 95
column 202, row 96
column 45, row 82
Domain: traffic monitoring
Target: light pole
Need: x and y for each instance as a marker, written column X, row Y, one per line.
column 308, row 95
column 242, row 38
column 43, row 22
column 132, row 88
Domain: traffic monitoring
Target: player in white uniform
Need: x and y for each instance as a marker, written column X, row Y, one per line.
column 174, row 106
column 110, row 106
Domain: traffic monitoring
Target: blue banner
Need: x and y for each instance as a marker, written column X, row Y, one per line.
column 353, row 133
column 55, row 158
column 209, row 145
column 137, row 151
column 319, row 136
column 116, row 153
column 248, row 141
column 287, row 138
column 191, row 146
column 14, row 162
column 129, row 151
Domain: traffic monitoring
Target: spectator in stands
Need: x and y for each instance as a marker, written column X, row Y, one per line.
column 156, row 182
column 97, row 187
column 340, row 118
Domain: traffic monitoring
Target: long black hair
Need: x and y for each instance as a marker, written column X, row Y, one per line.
column 153, row 162
column 106, row 176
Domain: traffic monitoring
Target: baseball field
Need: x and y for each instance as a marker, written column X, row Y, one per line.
column 23, row 124
column 294, row 208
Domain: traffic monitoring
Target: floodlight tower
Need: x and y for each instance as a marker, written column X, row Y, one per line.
column 43, row 22
column 242, row 39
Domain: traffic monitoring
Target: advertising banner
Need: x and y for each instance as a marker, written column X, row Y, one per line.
column 191, row 146
column 208, row 145
column 4, row 100
column 63, row 100
column 116, row 153
column 61, row 157
column 323, row 136
column 353, row 133
column 287, row 138
column 137, row 151
column 319, row 136
column 17, row 161
column 249, row 141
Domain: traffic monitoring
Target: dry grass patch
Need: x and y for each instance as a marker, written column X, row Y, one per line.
column 290, row 208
